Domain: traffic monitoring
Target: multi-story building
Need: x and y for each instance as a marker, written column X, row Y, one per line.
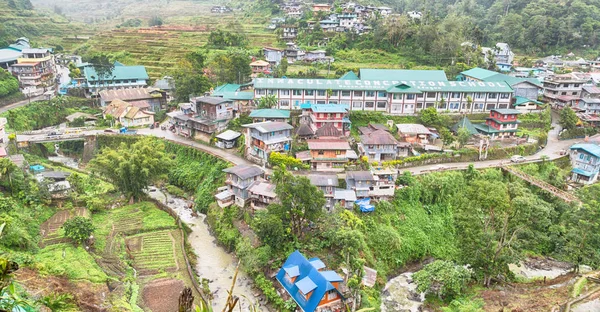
column 336, row 115
column 210, row 115
column 590, row 92
column 589, row 105
column 289, row 32
column 145, row 98
column 384, row 184
column 502, row 123
column 128, row 115
column 585, row 160
column 360, row 182
column 269, row 114
column 563, row 89
column 35, row 70
column 260, row 67
column 262, row 138
column 388, row 96
column 120, row 77
column 238, row 180
column 10, row 54
column 326, row 183
column 262, row 194
column 528, row 88
column 347, row 20
column 380, row 145
column 273, row 55
column 330, row 154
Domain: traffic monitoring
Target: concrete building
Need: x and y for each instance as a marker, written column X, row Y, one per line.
column 360, row 182
column 36, row 70
column 585, row 160
column 238, row 180
column 502, row 123
column 380, row 145
column 561, row 90
column 330, row 154
column 262, row 138
column 121, row 77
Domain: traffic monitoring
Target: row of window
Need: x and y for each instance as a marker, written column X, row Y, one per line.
column 383, row 105
column 381, row 94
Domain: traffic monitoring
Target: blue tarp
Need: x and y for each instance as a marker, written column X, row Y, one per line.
column 37, row 168
column 364, row 204
column 367, row 208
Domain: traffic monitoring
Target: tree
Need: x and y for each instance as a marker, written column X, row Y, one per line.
column 189, row 76
column 102, row 65
column 463, row 136
column 430, row 117
column 133, row 168
column 446, row 136
column 270, row 229
column 301, row 203
column 442, row 278
column 568, row 118
column 267, row 101
column 78, row 229
column 282, row 68
column 155, row 21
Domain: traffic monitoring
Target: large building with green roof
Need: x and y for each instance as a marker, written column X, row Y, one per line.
column 529, row 88
column 388, row 94
column 120, row 77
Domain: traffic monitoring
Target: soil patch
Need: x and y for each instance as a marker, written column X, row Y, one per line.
column 88, row 296
column 162, row 295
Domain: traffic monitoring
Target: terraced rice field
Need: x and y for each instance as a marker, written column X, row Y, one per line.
column 154, row 252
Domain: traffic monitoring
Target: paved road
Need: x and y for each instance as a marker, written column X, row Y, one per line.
column 21, row 103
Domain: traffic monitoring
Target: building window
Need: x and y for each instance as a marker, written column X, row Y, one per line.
column 321, row 102
column 321, row 152
column 574, row 93
column 345, row 93
column 333, row 102
column 270, row 92
column 284, row 103
column 260, row 91
column 309, row 92
column 504, row 95
column 358, row 93
column 454, row 105
column 492, row 95
column 410, row 96
column 420, row 95
column 284, row 92
column 397, row 96
column 430, row 94
column 356, row 104
column 370, row 93
column 369, row 104
column 297, row 92
column 344, row 103
column 334, row 92
column 576, row 85
column 381, row 104
column 381, row 94
column 321, row 93
column 455, row 95
column 563, row 93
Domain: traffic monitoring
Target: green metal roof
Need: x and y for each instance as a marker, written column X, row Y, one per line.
column 349, row 76
column 228, row 87
column 402, row 88
column 479, row 73
column 464, row 123
column 380, row 85
column 485, row 129
column 270, row 113
column 241, row 95
column 519, row 100
column 402, row 74
column 118, row 73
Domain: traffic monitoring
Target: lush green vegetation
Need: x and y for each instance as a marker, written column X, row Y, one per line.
column 8, row 84
column 43, row 114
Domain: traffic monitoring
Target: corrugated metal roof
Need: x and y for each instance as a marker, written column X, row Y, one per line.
column 244, row 171
column 228, row 135
column 328, row 144
column 590, row 148
column 329, row 108
column 269, row 126
column 328, row 130
column 360, row 175
column 402, row 74
column 270, row 113
column 137, row 72
column 323, row 179
column 506, row 111
column 378, row 137
column 128, row 94
column 412, row 129
column 380, row 85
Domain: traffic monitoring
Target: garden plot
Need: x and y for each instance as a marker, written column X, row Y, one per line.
column 50, row 230
column 154, row 252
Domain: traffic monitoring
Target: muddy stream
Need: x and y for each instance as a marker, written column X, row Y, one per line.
column 214, row 263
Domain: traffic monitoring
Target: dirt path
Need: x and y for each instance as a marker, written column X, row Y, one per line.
column 174, row 250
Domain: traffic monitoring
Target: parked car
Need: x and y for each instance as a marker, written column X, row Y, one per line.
column 517, row 159
column 54, row 133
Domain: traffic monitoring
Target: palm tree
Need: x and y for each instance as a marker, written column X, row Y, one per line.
column 267, row 101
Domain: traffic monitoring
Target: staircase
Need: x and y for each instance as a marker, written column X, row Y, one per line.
column 566, row 196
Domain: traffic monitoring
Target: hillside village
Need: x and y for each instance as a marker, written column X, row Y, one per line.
column 334, row 189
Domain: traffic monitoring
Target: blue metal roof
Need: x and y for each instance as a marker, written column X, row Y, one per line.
column 583, row 172
column 306, row 285
column 332, row 276
column 589, row 148
column 329, row 108
column 292, row 271
column 303, row 284
column 317, row 263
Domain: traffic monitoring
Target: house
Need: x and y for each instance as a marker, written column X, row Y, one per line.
column 272, row 55
column 212, row 114
column 243, row 101
column 121, row 77
column 589, row 105
column 464, row 123
column 590, row 92
column 380, row 145
column 563, row 89
column 360, row 182
column 127, row 114
column 528, row 88
column 345, row 198
column 289, row 32
column 526, row 105
column 347, row 21
column 312, row 287
column 321, row 7
column 56, row 181
column 260, row 67
column 328, row 25
column 227, row 139
column 10, row 54
column 35, row 70
column 330, row 154
column 262, row 138
column 590, row 119
column 167, row 85
column 585, row 160
column 293, row 53
column 502, row 54
column 304, row 132
column 238, row 180
column 384, row 183
column 384, row 11
column 262, row 194
column 414, row 133
column 336, row 115
column 502, row 123
column 317, row 56
column 269, row 114
column 415, row 14
column 327, row 184
column 144, row 98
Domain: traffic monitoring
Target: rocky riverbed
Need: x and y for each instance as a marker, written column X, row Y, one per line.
column 400, row 295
